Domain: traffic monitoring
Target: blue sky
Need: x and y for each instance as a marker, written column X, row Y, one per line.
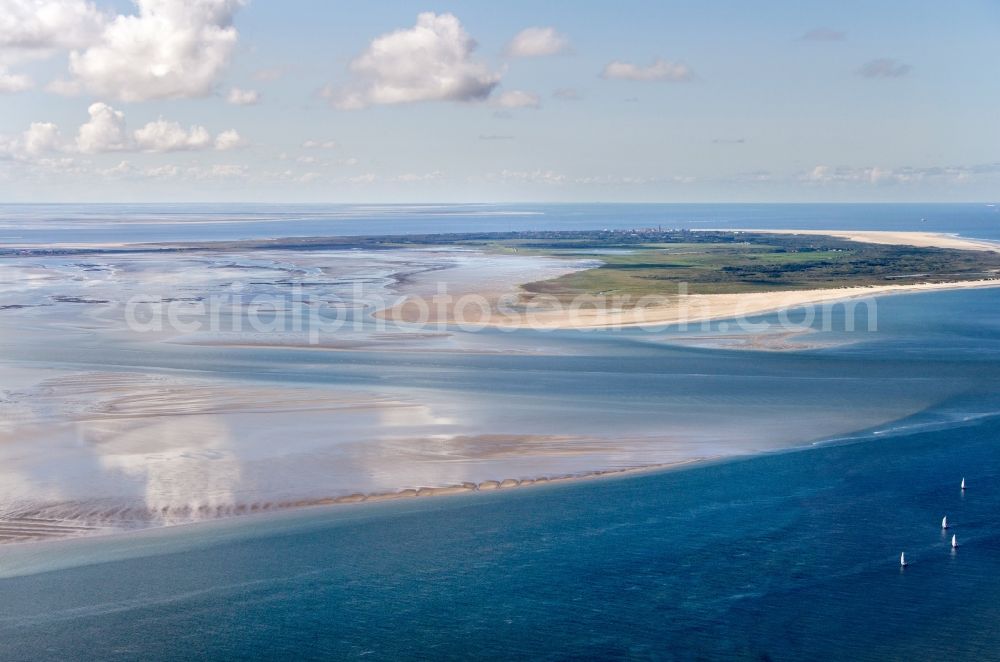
column 223, row 100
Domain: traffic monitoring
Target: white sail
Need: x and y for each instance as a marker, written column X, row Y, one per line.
column 902, row 558
column 963, row 482
column 944, row 522
column 954, row 541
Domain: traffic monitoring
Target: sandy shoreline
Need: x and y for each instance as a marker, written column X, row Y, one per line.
column 893, row 238
column 696, row 308
column 596, row 312
column 674, row 310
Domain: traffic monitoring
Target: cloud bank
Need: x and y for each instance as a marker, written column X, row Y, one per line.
column 106, row 131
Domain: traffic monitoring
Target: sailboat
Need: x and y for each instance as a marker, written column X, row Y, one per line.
column 963, row 482
column 902, row 560
column 954, row 542
column 944, row 522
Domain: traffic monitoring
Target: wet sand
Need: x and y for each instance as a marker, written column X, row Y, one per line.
column 92, row 453
column 29, row 528
column 102, row 450
column 483, row 486
column 34, row 529
column 783, row 341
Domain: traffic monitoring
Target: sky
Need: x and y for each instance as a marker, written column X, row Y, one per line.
column 392, row 101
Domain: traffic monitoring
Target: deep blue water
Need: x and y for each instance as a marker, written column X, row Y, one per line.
column 40, row 224
column 784, row 556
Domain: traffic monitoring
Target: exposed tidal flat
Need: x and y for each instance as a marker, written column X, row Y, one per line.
column 112, row 422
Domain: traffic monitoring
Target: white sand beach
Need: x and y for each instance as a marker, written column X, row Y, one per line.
column 919, row 239
column 540, row 313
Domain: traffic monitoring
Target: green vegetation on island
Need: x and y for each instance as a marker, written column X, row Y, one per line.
column 657, row 262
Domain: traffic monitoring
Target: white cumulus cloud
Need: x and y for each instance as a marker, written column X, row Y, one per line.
column 660, row 69
column 227, row 140
column 227, row 170
column 163, row 172
column 38, row 140
column 164, row 136
column 48, row 25
column 518, row 99
column 537, row 42
column 41, row 137
column 169, row 49
column 880, row 176
column 432, row 61
column 10, row 83
column 104, row 132
column 241, row 97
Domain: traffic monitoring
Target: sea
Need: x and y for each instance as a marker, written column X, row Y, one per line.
column 135, row 223
column 780, row 552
